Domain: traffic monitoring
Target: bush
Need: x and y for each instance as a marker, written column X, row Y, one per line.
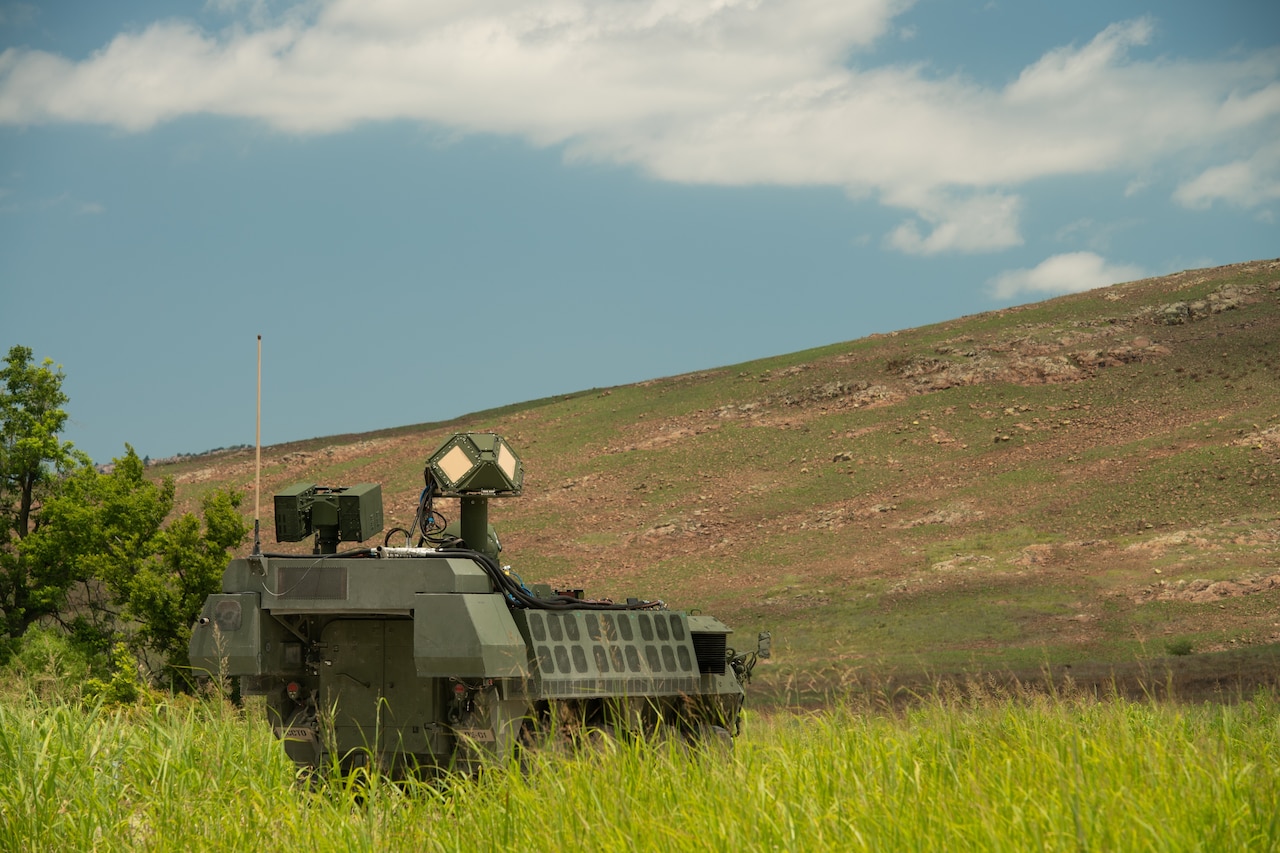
column 124, row 687
column 49, row 661
column 1179, row 647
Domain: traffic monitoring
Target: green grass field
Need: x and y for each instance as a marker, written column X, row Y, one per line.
column 974, row 769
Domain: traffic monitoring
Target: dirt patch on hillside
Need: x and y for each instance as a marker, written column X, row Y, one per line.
column 1157, row 545
column 650, row 436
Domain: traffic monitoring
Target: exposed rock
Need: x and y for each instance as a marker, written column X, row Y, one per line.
column 946, row 515
column 1201, row 591
column 849, row 393
column 1261, row 439
column 1117, row 356
column 1157, row 545
column 740, row 410
column 1226, row 298
column 959, row 562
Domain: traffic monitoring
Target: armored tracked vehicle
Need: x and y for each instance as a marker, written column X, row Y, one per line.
column 433, row 655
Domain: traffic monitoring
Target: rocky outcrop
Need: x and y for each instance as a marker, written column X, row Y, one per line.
column 1226, row 298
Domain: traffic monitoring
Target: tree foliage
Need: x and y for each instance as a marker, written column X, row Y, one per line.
column 108, row 566
column 164, row 593
column 99, row 527
column 33, row 459
column 90, row 552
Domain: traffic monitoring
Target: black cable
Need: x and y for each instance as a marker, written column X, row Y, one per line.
column 516, row 593
column 386, row 540
column 439, row 521
column 426, row 518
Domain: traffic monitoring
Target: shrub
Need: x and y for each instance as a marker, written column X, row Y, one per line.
column 49, row 661
column 124, row 686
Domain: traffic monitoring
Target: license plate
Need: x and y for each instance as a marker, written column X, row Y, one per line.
column 301, row 734
column 477, row 735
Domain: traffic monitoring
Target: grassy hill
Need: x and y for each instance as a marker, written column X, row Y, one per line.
column 1087, row 486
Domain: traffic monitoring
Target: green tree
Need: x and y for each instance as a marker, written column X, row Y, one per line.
column 97, row 530
column 33, row 459
column 90, row 551
column 110, row 568
column 166, row 592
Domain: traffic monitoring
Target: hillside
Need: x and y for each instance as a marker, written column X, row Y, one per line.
column 1079, row 486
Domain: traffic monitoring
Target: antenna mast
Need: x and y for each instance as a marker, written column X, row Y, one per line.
column 257, row 459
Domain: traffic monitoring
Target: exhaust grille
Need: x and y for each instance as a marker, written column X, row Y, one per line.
column 710, row 651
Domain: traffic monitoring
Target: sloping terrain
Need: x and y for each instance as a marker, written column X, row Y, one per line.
column 1080, row 485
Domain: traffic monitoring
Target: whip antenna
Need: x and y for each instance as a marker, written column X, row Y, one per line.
column 257, row 459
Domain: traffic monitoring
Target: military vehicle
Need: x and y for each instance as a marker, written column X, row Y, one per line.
column 432, row 655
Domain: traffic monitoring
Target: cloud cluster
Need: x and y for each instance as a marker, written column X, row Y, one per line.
column 700, row 91
column 1067, row 273
column 1249, row 182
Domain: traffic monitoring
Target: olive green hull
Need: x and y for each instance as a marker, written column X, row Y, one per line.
column 413, row 659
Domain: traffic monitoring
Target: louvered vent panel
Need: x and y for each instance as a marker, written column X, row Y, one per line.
column 710, row 650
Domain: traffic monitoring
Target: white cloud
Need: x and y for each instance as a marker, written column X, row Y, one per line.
column 548, row 70
column 730, row 92
column 981, row 223
column 1068, row 273
column 1136, row 186
column 1246, row 183
column 1069, row 72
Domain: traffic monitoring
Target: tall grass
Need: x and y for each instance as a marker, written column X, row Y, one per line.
column 975, row 773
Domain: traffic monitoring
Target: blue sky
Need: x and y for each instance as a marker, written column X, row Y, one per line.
column 431, row 208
